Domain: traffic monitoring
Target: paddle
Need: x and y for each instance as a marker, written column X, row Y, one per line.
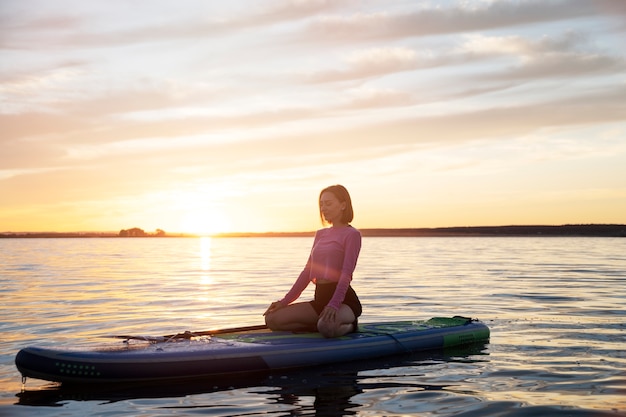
column 188, row 335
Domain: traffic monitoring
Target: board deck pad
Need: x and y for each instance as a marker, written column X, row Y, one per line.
column 365, row 330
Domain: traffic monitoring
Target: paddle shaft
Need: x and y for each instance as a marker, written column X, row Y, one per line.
column 189, row 335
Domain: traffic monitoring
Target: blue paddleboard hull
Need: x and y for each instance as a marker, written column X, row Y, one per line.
column 243, row 352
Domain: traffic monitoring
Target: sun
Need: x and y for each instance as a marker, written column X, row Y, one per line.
column 201, row 210
column 204, row 222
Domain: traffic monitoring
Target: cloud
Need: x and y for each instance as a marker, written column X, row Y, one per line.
column 377, row 98
column 463, row 17
column 318, row 21
column 66, row 27
column 369, row 63
column 512, row 57
column 45, row 140
column 566, row 55
column 367, row 139
column 37, row 124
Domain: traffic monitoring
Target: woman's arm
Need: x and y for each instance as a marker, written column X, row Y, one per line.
column 351, row 255
column 302, row 282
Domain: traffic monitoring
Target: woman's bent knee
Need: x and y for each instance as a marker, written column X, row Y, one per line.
column 270, row 321
column 325, row 329
column 330, row 330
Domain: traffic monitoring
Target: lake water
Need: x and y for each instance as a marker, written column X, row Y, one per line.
column 556, row 308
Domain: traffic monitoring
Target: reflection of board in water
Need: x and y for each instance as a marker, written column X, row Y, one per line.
column 244, row 352
column 332, row 386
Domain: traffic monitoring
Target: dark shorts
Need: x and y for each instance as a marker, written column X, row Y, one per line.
column 324, row 293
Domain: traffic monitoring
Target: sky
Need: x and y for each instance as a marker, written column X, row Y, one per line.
column 207, row 116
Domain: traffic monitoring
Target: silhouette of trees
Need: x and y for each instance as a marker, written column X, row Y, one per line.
column 134, row 232
column 137, row 232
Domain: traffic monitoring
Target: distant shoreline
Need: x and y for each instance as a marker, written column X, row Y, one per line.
column 582, row 230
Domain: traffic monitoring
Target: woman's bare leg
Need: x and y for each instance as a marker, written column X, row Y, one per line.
column 342, row 325
column 298, row 316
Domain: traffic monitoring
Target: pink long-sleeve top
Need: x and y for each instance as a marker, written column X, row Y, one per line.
column 333, row 258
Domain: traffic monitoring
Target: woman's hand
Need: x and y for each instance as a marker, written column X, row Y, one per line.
column 276, row 305
column 329, row 314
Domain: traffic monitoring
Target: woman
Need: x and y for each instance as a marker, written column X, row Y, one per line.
column 336, row 307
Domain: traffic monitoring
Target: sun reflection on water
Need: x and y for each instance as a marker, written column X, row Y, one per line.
column 206, row 279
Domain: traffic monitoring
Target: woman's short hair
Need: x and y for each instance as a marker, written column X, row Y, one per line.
column 343, row 196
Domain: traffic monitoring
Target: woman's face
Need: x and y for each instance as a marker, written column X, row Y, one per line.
column 331, row 208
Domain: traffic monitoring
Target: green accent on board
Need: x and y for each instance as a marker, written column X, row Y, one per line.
column 473, row 336
column 439, row 322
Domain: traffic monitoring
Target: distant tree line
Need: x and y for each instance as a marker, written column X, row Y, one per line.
column 137, row 232
column 590, row 230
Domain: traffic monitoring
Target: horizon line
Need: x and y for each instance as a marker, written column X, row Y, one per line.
column 365, row 231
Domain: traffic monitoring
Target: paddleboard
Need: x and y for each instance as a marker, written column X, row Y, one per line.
column 241, row 351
